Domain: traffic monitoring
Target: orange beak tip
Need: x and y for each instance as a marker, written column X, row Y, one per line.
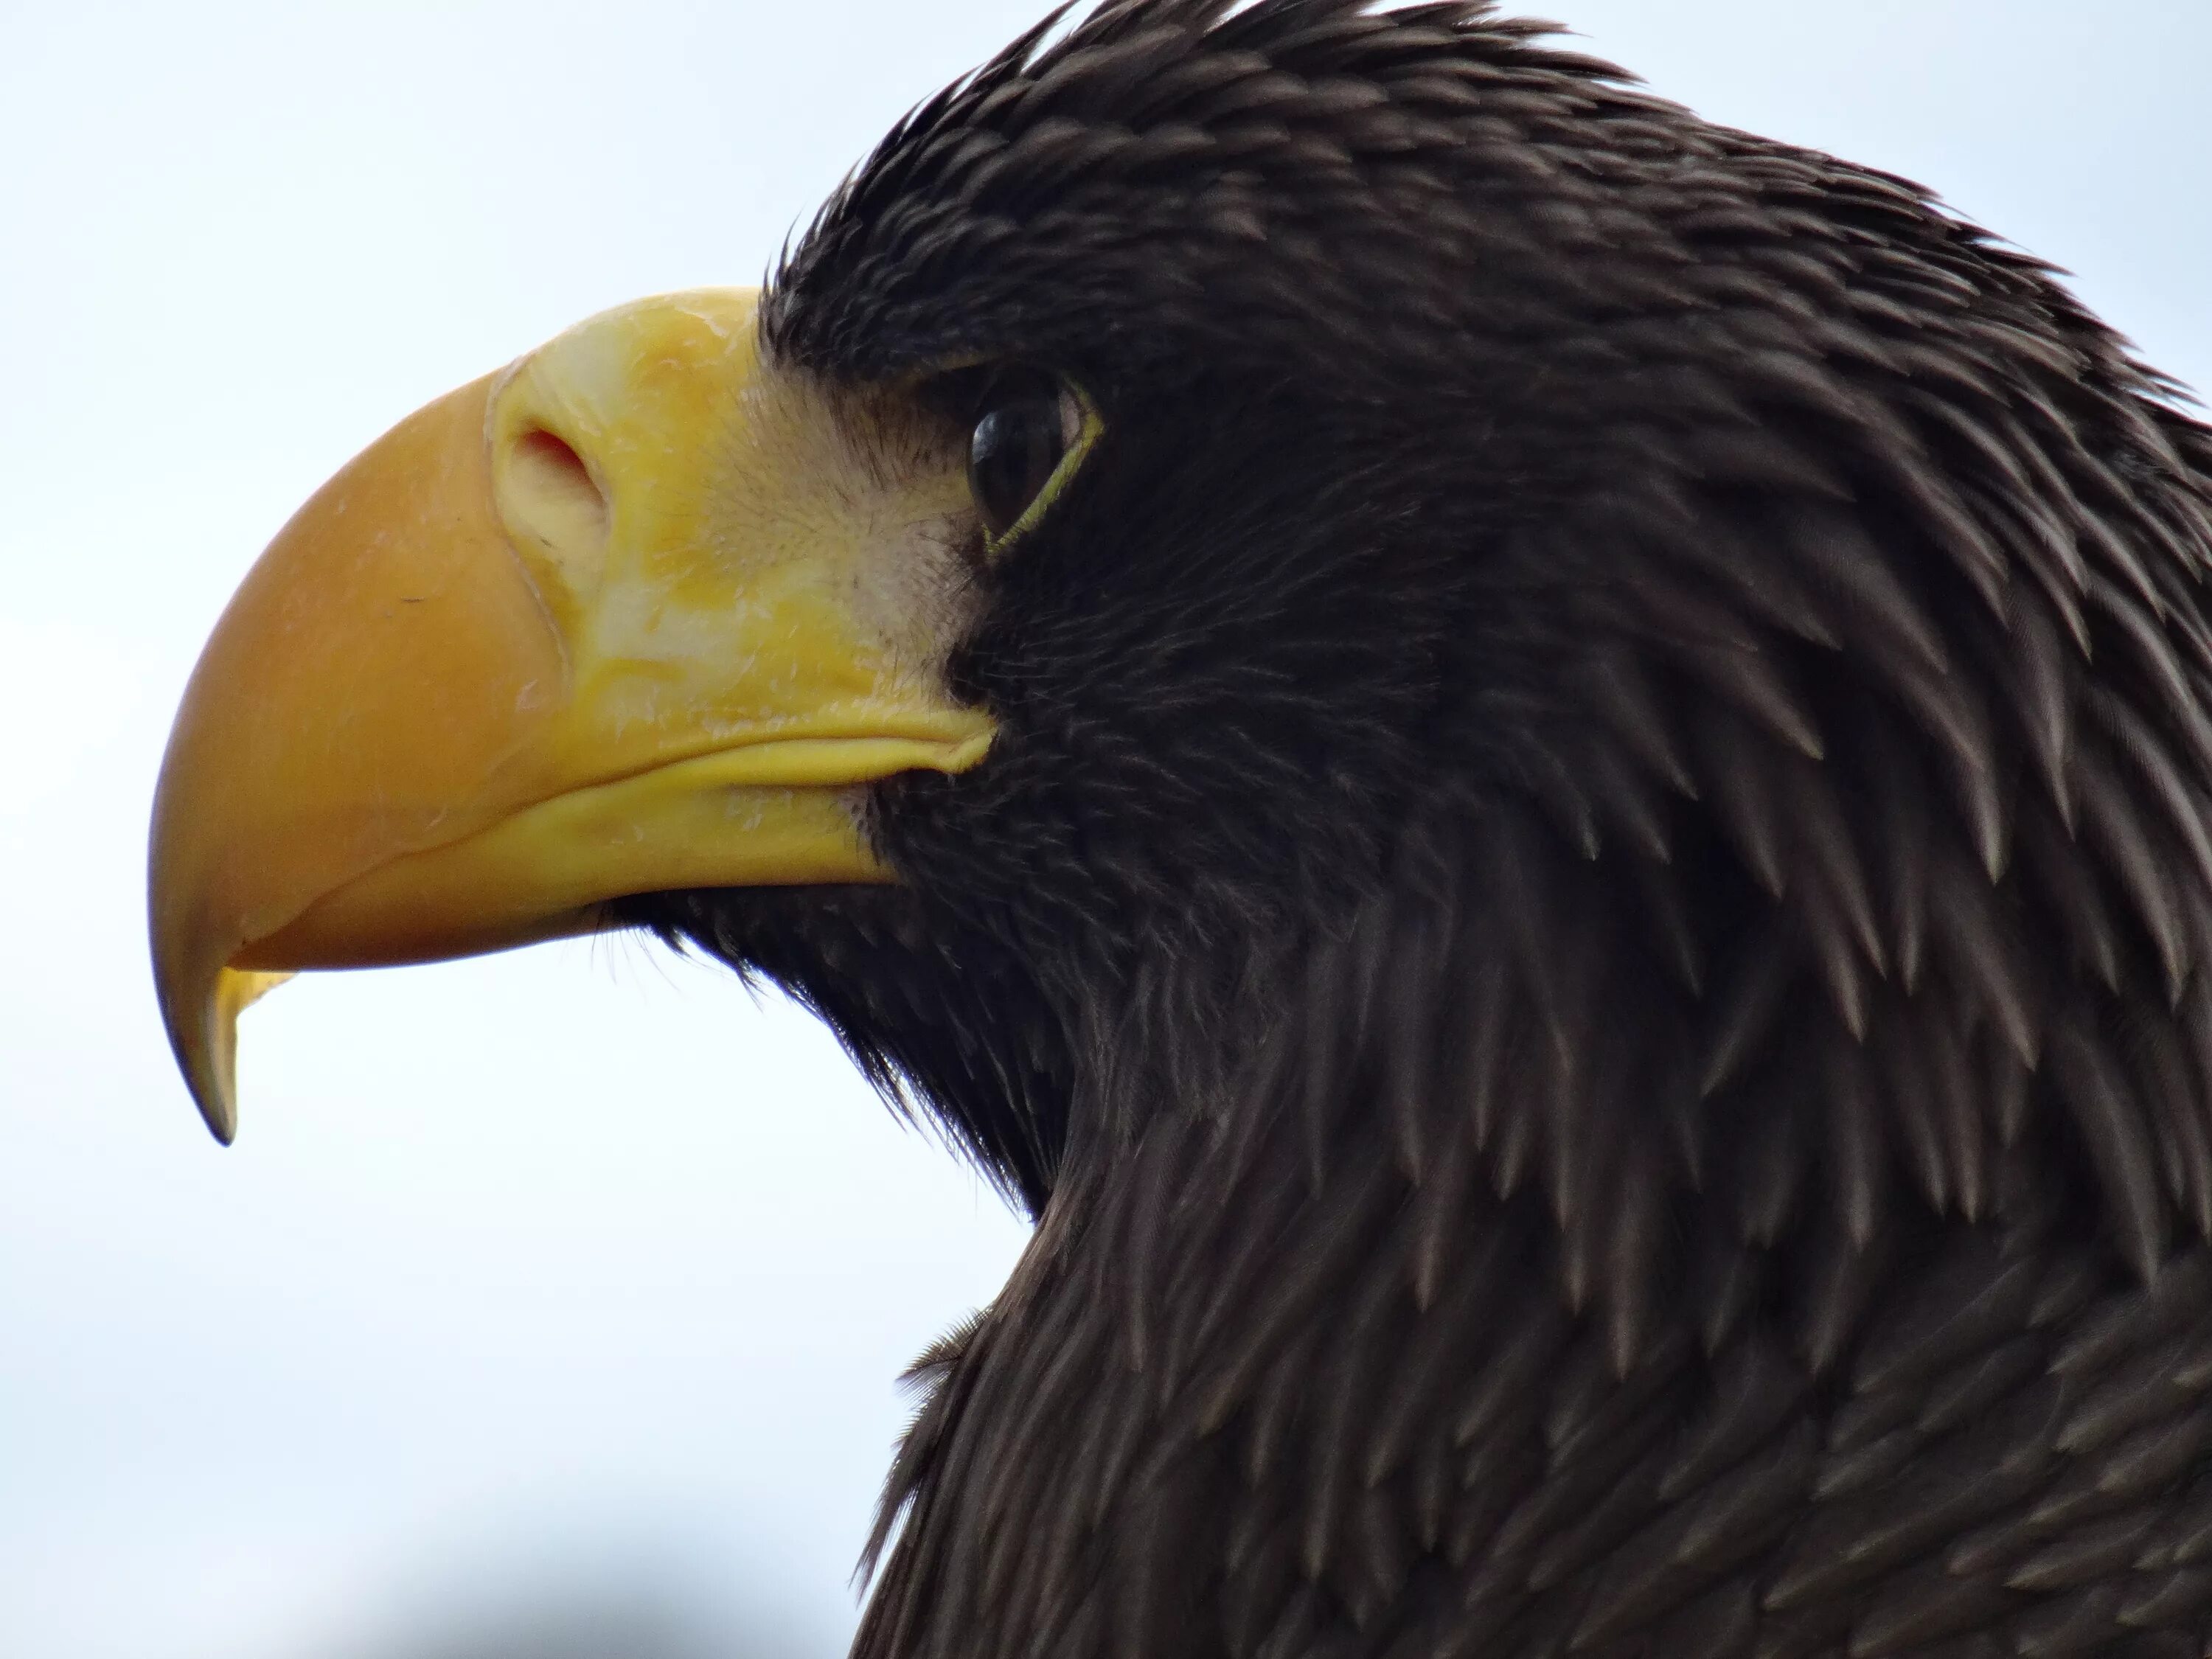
column 206, row 1043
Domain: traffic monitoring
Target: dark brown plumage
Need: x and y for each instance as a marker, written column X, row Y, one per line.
column 1590, row 929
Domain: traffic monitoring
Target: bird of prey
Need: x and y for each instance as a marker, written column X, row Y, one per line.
column 1539, row 773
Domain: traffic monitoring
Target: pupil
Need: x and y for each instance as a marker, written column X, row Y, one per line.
column 1011, row 455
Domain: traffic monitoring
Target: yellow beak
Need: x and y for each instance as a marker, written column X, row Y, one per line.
column 603, row 623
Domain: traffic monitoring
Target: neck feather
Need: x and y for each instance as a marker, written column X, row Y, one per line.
column 1527, row 1292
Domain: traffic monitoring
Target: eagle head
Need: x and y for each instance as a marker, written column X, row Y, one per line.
column 1536, row 772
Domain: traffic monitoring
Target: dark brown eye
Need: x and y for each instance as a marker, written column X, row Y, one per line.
column 1028, row 423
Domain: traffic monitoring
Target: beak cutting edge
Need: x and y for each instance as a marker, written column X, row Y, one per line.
column 593, row 626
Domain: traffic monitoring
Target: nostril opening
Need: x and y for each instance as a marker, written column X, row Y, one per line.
column 552, row 494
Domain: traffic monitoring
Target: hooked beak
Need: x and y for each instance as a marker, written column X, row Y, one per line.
column 600, row 625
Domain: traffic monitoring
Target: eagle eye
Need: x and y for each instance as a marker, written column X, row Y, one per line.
column 1027, row 424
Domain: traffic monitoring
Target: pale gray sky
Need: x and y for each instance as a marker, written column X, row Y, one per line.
column 569, row 1270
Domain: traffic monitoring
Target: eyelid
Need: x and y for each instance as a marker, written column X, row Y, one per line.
column 1081, row 424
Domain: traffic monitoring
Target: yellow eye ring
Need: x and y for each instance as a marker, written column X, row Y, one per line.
column 1032, row 431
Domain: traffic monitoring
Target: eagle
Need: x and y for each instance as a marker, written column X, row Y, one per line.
column 1539, row 774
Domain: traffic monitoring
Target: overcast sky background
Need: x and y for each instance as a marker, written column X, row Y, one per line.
column 569, row 1283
